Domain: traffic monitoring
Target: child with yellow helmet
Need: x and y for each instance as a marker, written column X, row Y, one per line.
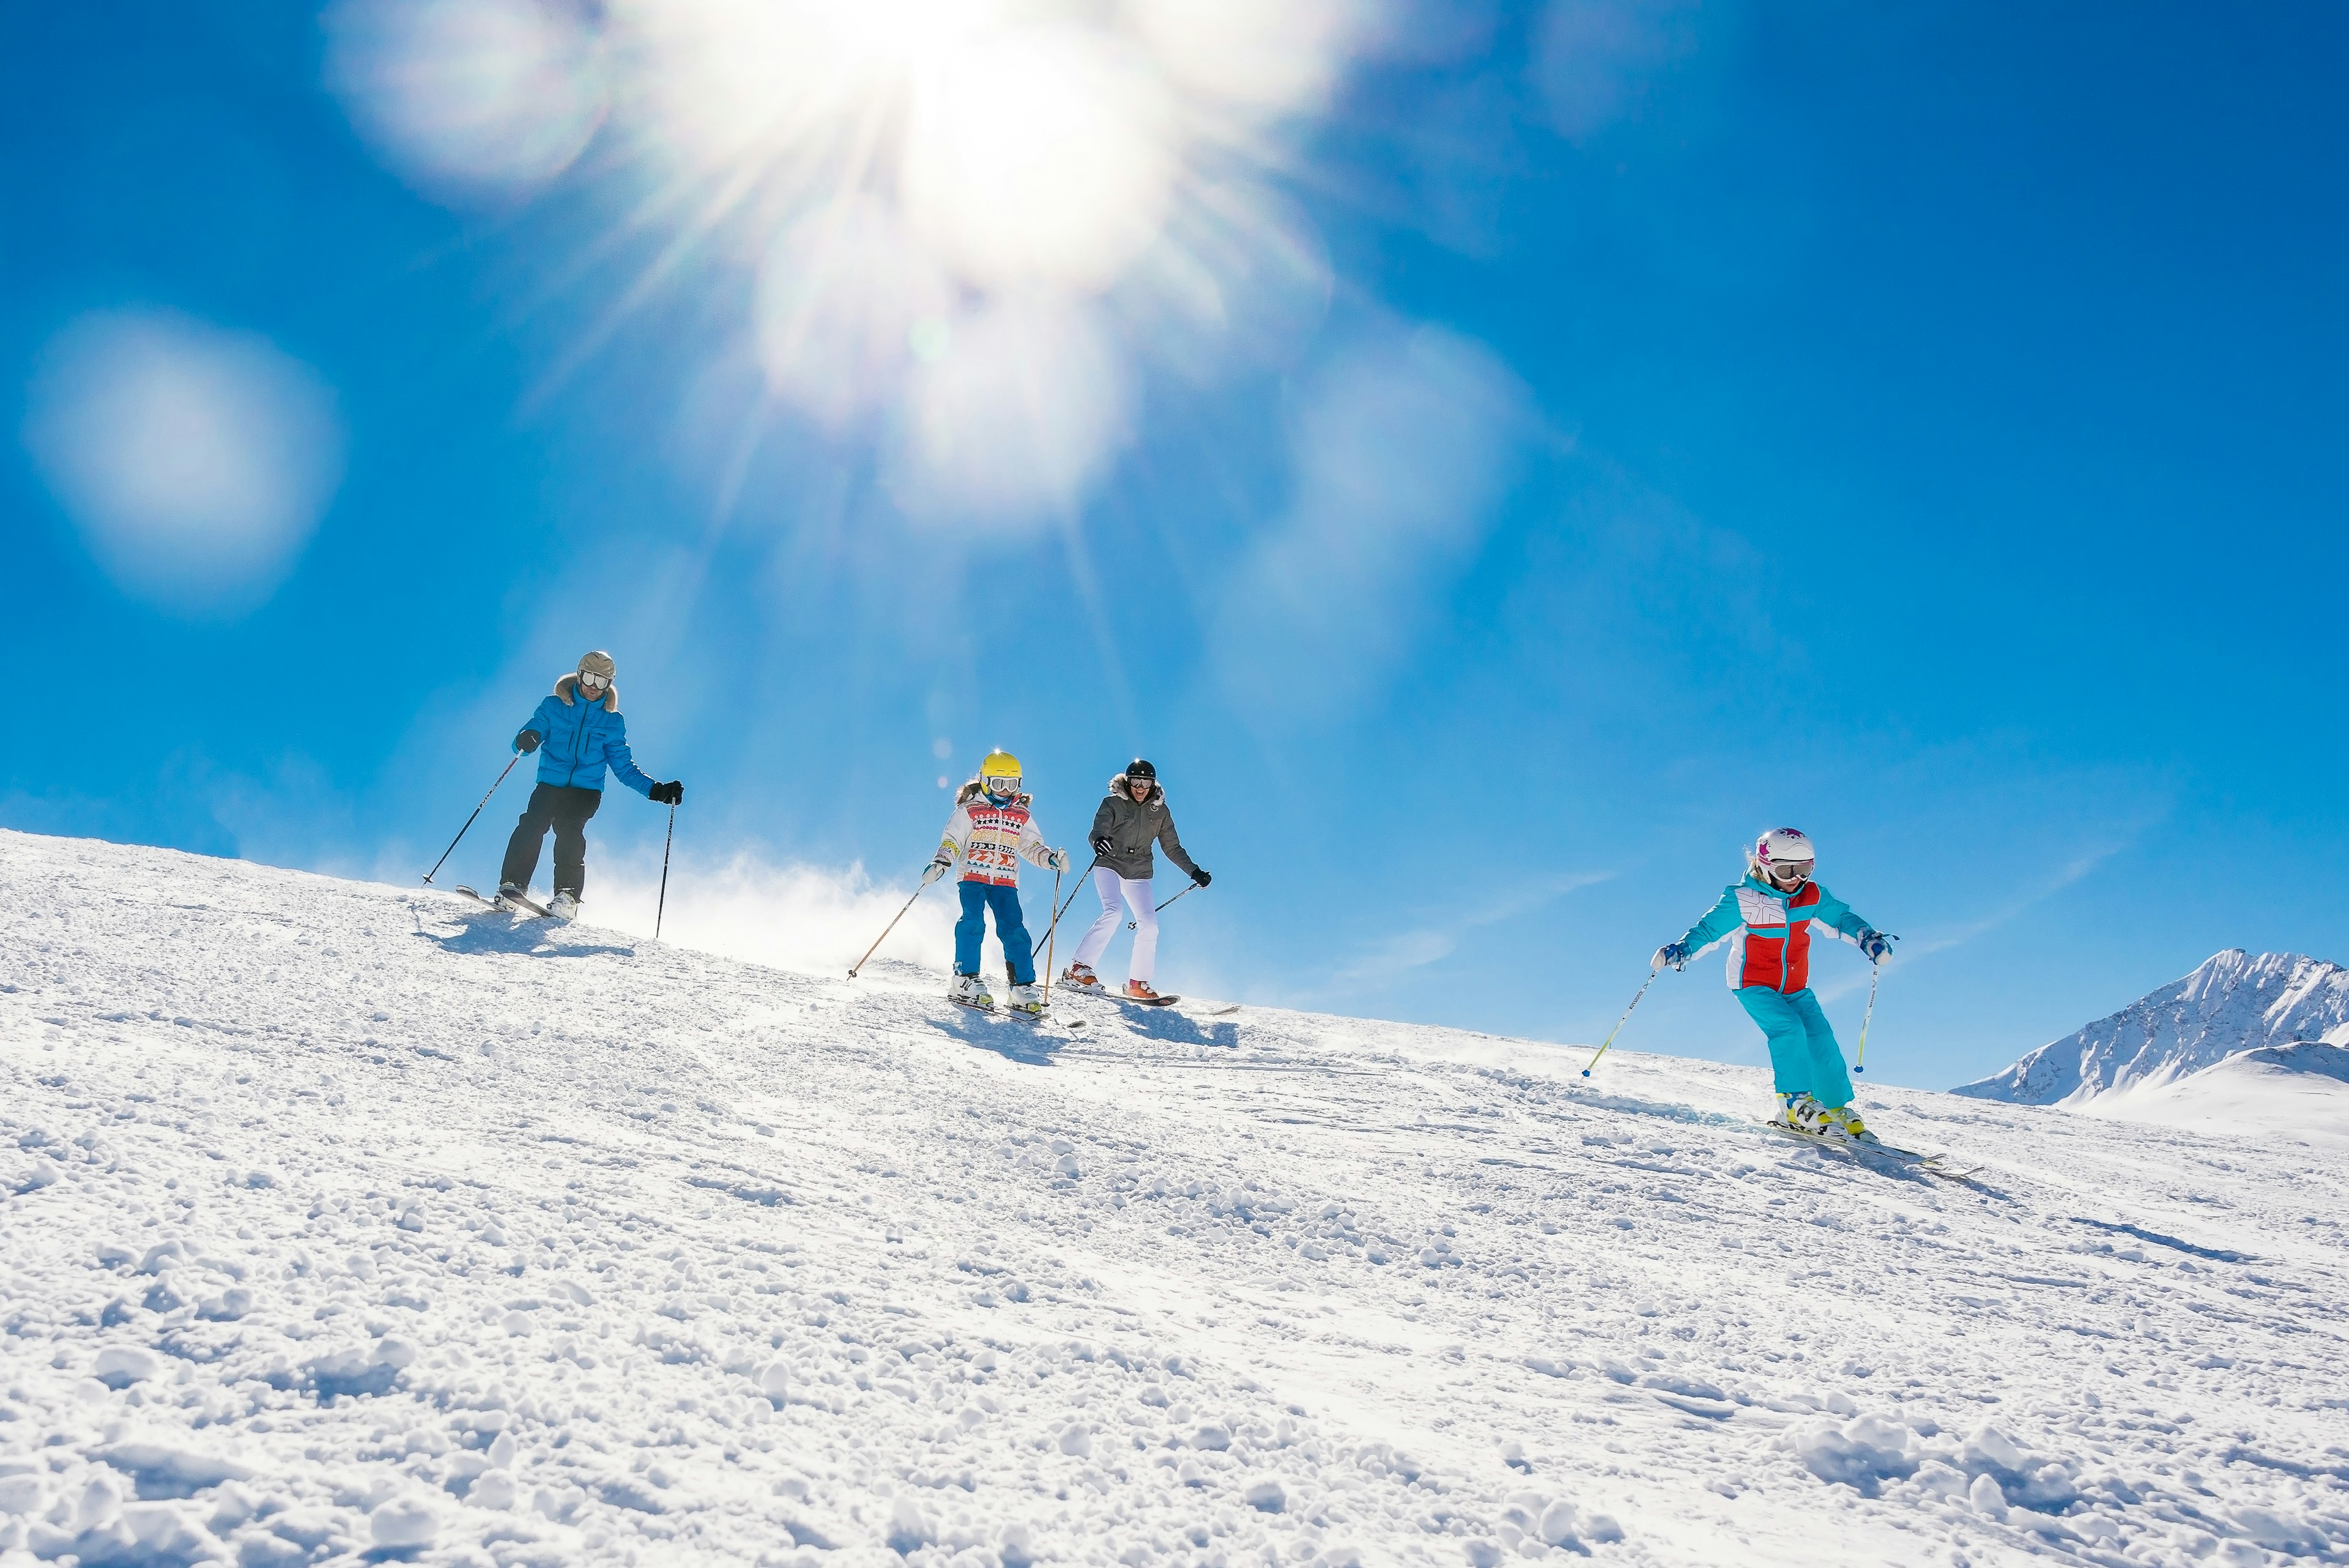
column 992, row 830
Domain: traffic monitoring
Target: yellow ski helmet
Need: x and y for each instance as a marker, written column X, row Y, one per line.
column 1001, row 764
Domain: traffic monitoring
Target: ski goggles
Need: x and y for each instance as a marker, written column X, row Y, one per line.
column 1140, row 786
column 590, row 679
column 1790, row 872
column 1001, row 785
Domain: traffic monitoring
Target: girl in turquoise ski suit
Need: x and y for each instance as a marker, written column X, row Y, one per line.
column 1768, row 928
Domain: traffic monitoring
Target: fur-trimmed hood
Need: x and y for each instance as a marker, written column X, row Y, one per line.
column 1119, row 787
column 972, row 790
column 568, row 689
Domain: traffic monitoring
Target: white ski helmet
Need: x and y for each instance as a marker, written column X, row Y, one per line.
column 1782, row 851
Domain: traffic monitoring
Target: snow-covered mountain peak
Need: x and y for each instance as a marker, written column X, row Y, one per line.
column 2233, row 1001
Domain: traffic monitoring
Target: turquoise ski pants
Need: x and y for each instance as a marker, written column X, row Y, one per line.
column 1804, row 1056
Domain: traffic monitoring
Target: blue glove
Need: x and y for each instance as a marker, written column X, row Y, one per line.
column 1876, row 944
column 1673, row 953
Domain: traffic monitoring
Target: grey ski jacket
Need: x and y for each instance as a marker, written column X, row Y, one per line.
column 1132, row 828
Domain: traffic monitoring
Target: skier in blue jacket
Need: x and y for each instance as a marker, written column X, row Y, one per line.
column 577, row 732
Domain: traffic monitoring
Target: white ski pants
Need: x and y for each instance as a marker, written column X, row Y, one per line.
column 1119, row 895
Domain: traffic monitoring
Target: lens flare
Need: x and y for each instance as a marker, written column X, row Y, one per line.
column 1041, row 154
column 1239, row 280
column 196, row 461
column 1280, row 56
column 847, row 299
column 1403, row 445
column 1019, row 418
column 467, row 98
column 719, row 85
column 964, row 229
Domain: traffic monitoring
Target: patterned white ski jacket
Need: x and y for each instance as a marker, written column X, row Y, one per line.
column 991, row 839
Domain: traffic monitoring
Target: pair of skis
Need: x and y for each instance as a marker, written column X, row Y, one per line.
column 1103, row 990
column 1851, row 1147
column 989, row 1009
column 992, row 1009
column 523, row 904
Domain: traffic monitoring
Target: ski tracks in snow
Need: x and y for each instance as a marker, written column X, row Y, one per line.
column 349, row 1222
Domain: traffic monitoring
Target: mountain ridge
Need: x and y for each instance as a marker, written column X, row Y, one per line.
column 2232, row 1002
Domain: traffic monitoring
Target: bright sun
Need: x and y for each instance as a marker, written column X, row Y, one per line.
column 937, row 200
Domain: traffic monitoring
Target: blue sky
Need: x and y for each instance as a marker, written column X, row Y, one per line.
column 1620, row 429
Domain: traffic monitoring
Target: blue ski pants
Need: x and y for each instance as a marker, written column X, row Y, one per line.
column 1011, row 929
column 1804, row 1056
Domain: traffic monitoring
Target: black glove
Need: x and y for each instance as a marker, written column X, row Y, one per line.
column 669, row 794
column 1102, row 848
column 526, row 742
column 1200, row 877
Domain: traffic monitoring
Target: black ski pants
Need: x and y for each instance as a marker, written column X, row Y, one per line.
column 565, row 808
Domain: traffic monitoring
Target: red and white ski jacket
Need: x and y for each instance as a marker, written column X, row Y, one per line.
column 992, row 839
column 1769, row 931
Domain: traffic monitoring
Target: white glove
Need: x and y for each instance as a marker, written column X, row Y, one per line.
column 1061, row 861
column 939, row 869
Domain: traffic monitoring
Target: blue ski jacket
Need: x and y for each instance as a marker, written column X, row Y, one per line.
column 578, row 739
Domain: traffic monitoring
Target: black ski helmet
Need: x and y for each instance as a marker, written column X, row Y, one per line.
column 1140, row 768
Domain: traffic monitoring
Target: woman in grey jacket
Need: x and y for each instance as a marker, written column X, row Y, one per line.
column 1133, row 817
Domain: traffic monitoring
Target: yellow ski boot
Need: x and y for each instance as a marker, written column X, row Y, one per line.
column 1800, row 1113
column 1842, row 1117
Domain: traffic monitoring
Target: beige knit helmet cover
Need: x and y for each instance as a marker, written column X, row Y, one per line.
column 596, row 661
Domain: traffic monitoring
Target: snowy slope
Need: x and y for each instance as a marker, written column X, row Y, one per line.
column 2300, row 1089
column 341, row 1222
column 2232, row 1002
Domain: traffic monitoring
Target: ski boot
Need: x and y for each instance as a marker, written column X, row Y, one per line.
column 1080, row 977
column 509, row 897
column 1842, row 1117
column 563, row 905
column 1802, row 1113
column 1139, row 990
column 1026, row 998
column 970, row 991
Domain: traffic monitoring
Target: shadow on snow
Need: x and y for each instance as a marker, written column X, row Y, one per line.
column 495, row 931
column 1010, row 1038
column 1164, row 1023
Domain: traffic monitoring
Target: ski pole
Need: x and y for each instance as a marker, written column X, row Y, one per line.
column 662, row 908
column 1047, row 942
column 885, row 932
column 1620, row 1022
column 1073, row 897
column 468, row 823
column 1875, row 972
column 1185, row 893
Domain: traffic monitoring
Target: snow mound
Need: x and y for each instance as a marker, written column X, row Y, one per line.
column 344, row 1223
column 2232, row 1002
column 2298, row 1090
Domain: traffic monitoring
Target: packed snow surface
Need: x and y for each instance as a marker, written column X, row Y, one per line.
column 349, row 1223
column 2234, row 1002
